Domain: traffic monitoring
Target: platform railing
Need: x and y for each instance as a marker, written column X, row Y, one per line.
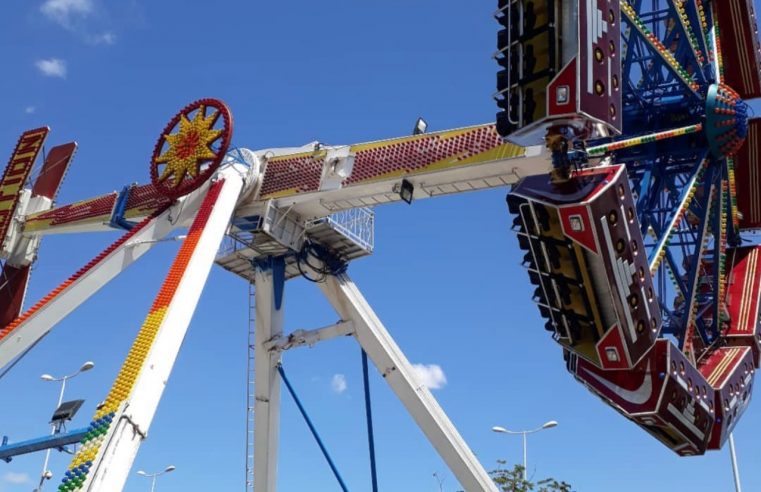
column 357, row 224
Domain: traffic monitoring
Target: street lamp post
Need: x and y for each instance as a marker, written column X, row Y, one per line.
column 46, row 474
column 502, row 430
column 733, row 457
column 154, row 476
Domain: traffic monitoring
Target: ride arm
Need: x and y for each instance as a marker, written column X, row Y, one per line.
column 100, row 213
column 22, row 333
column 324, row 180
column 316, row 180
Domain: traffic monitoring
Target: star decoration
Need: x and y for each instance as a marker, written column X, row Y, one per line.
column 189, row 147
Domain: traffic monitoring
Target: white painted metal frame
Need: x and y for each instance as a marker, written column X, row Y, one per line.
column 110, row 472
column 358, row 320
column 133, row 420
column 389, row 359
column 42, row 321
column 269, row 326
column 299, row 338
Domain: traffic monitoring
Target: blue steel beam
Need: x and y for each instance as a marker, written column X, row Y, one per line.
column 9, row 451
column 685, row 52
column 694, row 269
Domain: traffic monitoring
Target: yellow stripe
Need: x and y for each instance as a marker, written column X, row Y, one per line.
column 716, row 371
column 41, row 225
column 744, row 297
column 750, row 279
column 753, row 308
column 747, row 298
column 740, row 45
column 751, row 178
column 720, row 369
column 282, row 193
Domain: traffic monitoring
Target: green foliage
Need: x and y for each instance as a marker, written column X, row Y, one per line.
column 511, row 480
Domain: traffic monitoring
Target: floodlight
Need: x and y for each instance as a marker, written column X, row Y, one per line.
column 406, row 191
column 420, row 127
column 66, row 411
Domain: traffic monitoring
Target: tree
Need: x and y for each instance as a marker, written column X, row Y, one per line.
column 512, row 481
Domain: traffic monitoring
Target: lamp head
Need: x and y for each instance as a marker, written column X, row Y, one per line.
column 550, row 424
column 407, row 191
column 141, row 473
column 87, row 366
column 47, row 377
column 420, row 127
column 499, row 429
column 170, row 468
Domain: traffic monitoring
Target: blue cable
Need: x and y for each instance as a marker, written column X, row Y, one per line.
column 369, row 412
column 311, row 428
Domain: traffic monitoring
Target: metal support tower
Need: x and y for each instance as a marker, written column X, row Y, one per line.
column 358, row 320
column 250, row 393
column 397, row 371
column 268, row 294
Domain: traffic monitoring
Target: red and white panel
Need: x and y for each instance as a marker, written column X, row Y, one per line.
column 16, row 173
column 596, row 219
column 743, row 296
column 599, row 65
column 15, row 277
column 665, row 394
column 729, row 371
column 747, row 164
column 740, row 47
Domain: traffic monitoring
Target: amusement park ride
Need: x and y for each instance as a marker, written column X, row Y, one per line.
column 634, row 169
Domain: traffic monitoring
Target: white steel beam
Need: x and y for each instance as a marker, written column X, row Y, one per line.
column 397, row 371
column 132, row 425
column 67, row 299
column 299, row 338
column 269, row 279
column 481, row 175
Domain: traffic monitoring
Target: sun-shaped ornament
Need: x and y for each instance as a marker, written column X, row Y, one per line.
column 191, row 147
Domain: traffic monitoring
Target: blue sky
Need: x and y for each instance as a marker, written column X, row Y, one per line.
column 445, row 277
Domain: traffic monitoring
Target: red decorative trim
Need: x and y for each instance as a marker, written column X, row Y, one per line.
column 189, row 184
column 13, row 284
column 414, row 155
column 53, row 171
column 298, row 173
column 16, row 173
column 79, row 273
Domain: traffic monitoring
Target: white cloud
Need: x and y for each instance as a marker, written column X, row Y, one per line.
column 103, row 38
column 30, row 109
column 52, row 67
column 16, row 478
column 85, row 18
column 430, row 375
column 64, row 12
column 338, row 383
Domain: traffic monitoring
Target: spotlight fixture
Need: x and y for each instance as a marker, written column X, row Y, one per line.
column 420, row 127
column 66, row 411
column 406, row 191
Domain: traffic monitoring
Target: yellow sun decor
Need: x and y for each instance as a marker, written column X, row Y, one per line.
column 191, row 147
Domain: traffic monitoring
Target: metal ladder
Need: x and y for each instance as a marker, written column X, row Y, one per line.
column 250, row 394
